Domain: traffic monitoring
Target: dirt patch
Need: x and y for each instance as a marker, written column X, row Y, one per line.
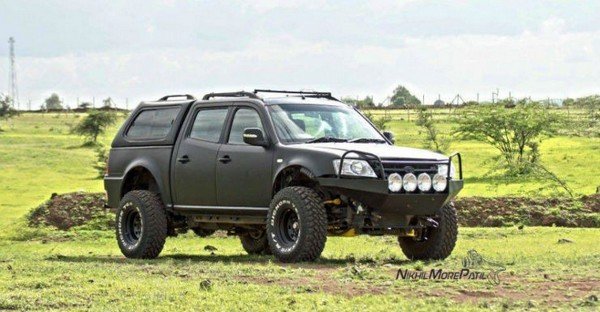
column 323, row 283
column 508, row 211
column 71, row 210
column 551, row 293
column 511, row 289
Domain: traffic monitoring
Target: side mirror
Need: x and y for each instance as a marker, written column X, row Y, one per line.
column 390, row 136
column 254, row 136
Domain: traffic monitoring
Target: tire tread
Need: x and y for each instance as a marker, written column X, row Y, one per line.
column 155, row 230
column 314, row 224
column 439, row 248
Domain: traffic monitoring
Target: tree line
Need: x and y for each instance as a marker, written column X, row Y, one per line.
column 55, row 103
column 400, row 98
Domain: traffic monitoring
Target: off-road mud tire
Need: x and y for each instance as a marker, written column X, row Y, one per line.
column 153, row 223
column 203, row 232
column 440, row 241
column 311, row 218
column 255, row 243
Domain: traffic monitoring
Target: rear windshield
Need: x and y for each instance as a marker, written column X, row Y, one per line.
column 153, row 123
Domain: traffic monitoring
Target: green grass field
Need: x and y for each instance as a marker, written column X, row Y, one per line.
column 39, row 157
column 571, row 158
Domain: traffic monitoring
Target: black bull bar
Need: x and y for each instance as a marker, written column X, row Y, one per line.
column 374, row 192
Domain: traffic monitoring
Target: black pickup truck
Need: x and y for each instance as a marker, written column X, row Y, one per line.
column 282, row 173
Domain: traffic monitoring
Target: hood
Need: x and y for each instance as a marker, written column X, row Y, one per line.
column 384, row 151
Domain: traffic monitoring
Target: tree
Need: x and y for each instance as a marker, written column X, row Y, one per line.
column 433, row 139
column 85, row 105
column 568, row 102
column 94, row 124
column 403, row 97
column 107, row 103
column 592, row 106
column 53, row 102
column 6, row 110
column 367, row 102
column 515, row 132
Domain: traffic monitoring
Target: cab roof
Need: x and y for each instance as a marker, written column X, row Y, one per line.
column 290, row 97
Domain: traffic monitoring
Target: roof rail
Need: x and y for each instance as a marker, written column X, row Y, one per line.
column 230, row 94
column 167, row 97
column 315, row 94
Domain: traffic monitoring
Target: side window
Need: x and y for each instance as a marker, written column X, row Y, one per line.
column 244, row 118
column 153, row 123
column 208, row 124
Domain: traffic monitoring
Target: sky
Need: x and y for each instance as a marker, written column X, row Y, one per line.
column 142, row 50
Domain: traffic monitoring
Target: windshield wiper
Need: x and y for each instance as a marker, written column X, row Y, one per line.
column 367, row 140
column 326, row 139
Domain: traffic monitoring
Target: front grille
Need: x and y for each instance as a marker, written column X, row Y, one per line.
column 403, row 166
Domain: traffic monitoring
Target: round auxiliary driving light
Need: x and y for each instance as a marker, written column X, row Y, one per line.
column 394, row 182
column 357, row 167
column 439, row 182
column 424, row 182
column 409, row 182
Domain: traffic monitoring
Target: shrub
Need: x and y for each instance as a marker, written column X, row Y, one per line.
column 101, row 159
column 515, row 132
column 94, row 124
column 433, row 139
column 380, row 123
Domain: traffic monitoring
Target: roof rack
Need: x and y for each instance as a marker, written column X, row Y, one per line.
column 167, row 97
column 314, row 94
column 231, row 94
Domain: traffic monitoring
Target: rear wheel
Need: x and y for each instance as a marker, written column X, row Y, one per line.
column 255, row 242
column 203, row 232
column 297, row 225
column 440, row 240
column 141, row 225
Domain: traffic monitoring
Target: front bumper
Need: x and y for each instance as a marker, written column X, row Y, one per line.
column 374, row 194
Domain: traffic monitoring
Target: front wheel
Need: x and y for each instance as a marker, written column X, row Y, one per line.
column 439, row 241
column 141, row 225
column 297, row 225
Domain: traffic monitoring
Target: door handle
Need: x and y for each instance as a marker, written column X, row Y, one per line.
column 183, row 159
column 225, row 159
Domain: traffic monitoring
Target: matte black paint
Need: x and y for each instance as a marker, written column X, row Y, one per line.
column 196, row 176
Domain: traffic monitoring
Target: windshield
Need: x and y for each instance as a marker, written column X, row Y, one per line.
column 305, row 123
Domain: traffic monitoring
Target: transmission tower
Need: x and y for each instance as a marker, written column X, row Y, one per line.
column 12, row 79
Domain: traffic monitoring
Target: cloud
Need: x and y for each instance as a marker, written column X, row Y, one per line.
column 553, row 25
column 359, row 49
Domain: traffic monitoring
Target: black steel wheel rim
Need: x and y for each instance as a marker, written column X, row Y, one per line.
column 288, row 227
column 132, row 227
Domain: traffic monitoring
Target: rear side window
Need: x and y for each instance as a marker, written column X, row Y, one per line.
column 208, row 124
column 153, row 123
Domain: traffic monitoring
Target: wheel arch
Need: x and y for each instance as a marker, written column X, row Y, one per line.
column 293, row 175
column 142, row 176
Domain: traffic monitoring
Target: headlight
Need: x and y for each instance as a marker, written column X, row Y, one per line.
column 394, row 182
column 443, row 170
column 439, row 182
column 409, row 182
column 354, row 167
column 424, row 182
